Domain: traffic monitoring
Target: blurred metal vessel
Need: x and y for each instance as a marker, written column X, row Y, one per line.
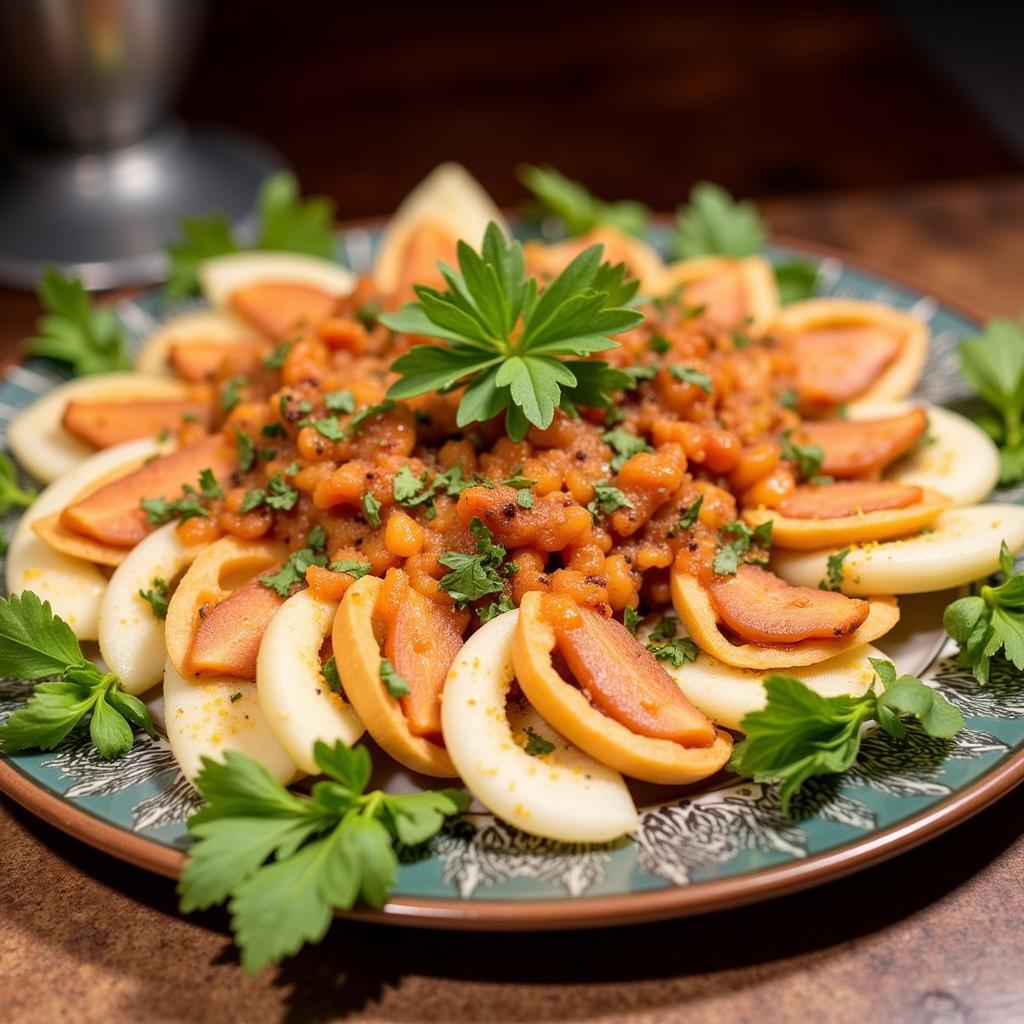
column 97, row 179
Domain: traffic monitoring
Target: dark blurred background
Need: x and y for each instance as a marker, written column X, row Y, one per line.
column 636, row 99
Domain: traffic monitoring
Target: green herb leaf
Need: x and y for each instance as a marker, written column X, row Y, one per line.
column 505, row 341
column 474, row 576
column 208, row 485
column 88, row 340
column 806, row 458
column 677, row 651
column 577, row 208
column 11, row 495
column 286, row 224
column 329, row 671
column 714, row 224
column 246, row 451
column 688, row 375
column 157, row 597
column 536, row 745
column 834, row 571
column 799, row 734
column 331, row 428
column 606, row 500
column 293, row 571
column 357, row 570
column 993, row 364
column 340, row 401
column 371, row 509
column 393, row 682
column 34, row 642
column 280, row 494
column 990, row 622
column 231, row 393
column 625, row 445
column 495, row 608
column 796, row 280
column 689, row 517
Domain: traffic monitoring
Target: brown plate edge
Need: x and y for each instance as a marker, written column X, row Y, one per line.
column 596, row 911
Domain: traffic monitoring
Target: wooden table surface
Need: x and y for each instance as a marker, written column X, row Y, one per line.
column 933, row 936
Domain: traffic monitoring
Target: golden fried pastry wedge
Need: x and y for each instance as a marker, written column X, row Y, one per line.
column 736, row 294
column 220, row 571
column 557, row 792
column 694, row 607
column 848, row 350
column 887, row 515
column 569, row 711
column 359, row 663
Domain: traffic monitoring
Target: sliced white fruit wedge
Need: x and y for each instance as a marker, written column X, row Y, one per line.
column 298, row 705
column 73, row 587
column 222, row 276
column 48, row 451
column 726, row 695
column 205, row 718
column 960, row 459
column 564, row 794
column 131, row 636
column 963, row 546
column 206, row 325
column 449, row 197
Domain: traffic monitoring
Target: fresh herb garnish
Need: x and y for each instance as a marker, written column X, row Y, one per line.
column 11, row 495
column 625, row 445
column 834, row 571
column 474, row 576
column 358, row 421
column 990, row 621
column 714, row 224
column 689, row 517
column 340, row 401
column 536, row 745
column 252, row 499
column 330, row 428
column 371, row 508
column 287, row 223
column 329, row 671
column 659, row 344
column 574, row 205
column 495, row 608
column 678, row 651
column 235, row 697
column 993, row 364
column 355, row 569
column 806, row 458
column 504, row 339
column 188, row 506
column 246, row 447
column 329, row 849
column 688, row 375
column 208, row 485
column 393, row 682
column 231, row 393
column 631, row 619
column 800, row 734
column 276, row 359
column 157, row 596
column 796, row 280
column 746, row 544
column 606, row 500
column 280, row 494
column 293, row 570
column 34, row 644
column 88, row 340
column 788, row 398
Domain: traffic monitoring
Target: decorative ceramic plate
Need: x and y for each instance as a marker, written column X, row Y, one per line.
column 705, row 848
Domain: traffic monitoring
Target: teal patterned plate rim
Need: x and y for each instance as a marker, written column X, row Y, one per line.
column 703, row 848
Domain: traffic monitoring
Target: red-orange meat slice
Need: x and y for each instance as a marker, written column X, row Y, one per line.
column 103, row 424
column 848, row 498
column 279, row 310
column 836, row 364
column 864, row 447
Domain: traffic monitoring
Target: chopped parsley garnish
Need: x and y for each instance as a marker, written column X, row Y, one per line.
column 188, row 506
column 742, row 546
column 276, row 358
column 393, row 682
column 659, row 344
column 495, row 608
column 788, row 398
column 606, row 500
column 246, row 451
column 371, row 509
column 477, row 575
column 231, row 393
column 330, row 428
column 340, row 401
column 354, row 568
column 797, row 280
column 631, row 619
column 359, row 421
column 280, row 494
column 272, row 429
column 536, row 745
column 677, row 651
column 293, row 571
column 235, row 697
column 806, row 458
column 524, row 497
column 689, row 517
column 157, row 597
column 625, row 445
column 252, row 500
column 688, row 375
column 834, row 571
column 208, row 486
column 329, row 671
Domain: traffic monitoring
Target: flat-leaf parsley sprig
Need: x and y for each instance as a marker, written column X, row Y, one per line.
column 990, row 621
column 800, row 734
column 993, row 364
column 89, row 340
column 36, row 644
column 505, row 336
column 578, row 209
column 286, row 861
